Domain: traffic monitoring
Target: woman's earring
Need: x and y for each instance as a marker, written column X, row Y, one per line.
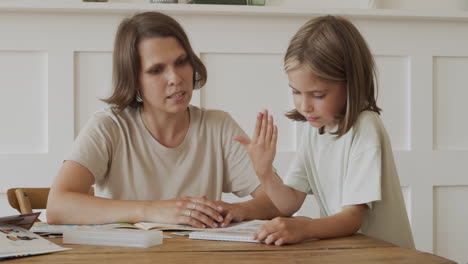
column 138, row 97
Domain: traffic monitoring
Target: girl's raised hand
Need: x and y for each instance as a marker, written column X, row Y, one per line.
column 262, row 148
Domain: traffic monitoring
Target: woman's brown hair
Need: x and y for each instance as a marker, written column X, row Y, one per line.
column 126, row 59
column 332, row 48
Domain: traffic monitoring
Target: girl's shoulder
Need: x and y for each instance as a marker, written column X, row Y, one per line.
column 368, row 129
column 368, row 120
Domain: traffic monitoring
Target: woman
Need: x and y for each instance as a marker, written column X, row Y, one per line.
column 151, row 155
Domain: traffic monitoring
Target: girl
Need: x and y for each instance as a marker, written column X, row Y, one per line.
column 152, row 156
column 344, row 156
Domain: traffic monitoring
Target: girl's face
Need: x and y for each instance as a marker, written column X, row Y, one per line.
column 166, row 77
column 318, row 100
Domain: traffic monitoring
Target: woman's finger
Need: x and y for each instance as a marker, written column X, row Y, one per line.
column 202, row 218
column 189, row 220
column 208, row 208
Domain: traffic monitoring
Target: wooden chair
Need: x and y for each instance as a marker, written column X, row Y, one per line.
column 26, row 199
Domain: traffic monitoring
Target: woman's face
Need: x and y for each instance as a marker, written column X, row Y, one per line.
column 166, row 77
column 318, row 100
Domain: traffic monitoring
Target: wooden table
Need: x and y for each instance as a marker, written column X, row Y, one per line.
column 352, row 249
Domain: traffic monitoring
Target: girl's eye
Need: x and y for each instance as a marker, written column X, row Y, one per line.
column 318, row 96
column 295, row 92
column 155, row 70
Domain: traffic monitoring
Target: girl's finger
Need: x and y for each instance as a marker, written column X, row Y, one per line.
column 274, row 137
column 269, row 131
column 258, row 124
column 243, row 140
column 227, row 220
column 263, row 127
column 271, row 238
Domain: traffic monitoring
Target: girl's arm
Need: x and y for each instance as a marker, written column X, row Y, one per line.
column 262, row 151
column 70, row 203
column 281, row 230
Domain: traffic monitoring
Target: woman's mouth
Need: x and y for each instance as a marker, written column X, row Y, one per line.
column 177, row 97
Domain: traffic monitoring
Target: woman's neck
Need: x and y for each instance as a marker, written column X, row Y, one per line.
column 168, row 129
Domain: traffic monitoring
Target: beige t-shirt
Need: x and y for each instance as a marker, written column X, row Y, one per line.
column 129, row 164
column 357, row 168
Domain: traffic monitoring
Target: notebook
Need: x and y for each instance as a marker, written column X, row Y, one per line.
column 242, row 232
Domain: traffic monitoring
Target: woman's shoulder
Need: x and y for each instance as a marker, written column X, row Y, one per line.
column 210, row 115
column 110, row 118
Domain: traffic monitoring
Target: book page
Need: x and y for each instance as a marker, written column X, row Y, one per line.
column 232, row 226
column 243, row 232
column 18, row 242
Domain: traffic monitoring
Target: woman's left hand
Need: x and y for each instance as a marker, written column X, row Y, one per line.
column 282, row 230
column 231, row 212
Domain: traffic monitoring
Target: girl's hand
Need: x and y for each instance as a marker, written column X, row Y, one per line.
column 262, row 148
column 194, row 211
column 281, row 230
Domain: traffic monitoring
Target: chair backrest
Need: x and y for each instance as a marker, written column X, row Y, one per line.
column 26, row 199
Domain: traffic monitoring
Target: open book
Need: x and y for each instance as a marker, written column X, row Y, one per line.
column 44, row 228
column 242, row 232
column 17, row 241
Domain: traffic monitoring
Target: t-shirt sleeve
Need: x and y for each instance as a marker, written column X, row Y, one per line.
column 93, row 146
column 296, row 177
column 362, row 184
column 239, row 175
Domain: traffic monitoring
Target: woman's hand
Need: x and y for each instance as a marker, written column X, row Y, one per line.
column 194, row 211
column 232, row 212
column 262, row 148
column 281, row 230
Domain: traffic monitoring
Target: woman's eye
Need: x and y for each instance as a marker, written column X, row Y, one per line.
column 182, row 61
column 318, row 96
column 295, row 92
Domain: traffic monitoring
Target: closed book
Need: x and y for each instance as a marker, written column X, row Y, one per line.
column 113, row 237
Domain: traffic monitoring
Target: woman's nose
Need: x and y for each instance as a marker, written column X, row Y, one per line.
column 173, row 77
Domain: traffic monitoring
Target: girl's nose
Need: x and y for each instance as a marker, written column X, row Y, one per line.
column 307, row 106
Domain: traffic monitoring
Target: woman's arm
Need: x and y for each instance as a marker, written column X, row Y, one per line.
column 281, row 230
column 70, row 203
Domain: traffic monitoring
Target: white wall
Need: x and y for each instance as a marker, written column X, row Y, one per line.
column 55, row 63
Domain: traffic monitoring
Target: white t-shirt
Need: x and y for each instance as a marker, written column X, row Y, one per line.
column 129, row 164
column 357, row 168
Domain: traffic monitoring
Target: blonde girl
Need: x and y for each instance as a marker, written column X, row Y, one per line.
column 344, row 156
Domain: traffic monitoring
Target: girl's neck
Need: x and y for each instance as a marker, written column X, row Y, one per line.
column 168, row 129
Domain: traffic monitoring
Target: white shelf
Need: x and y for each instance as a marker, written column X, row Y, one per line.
column 89, row 7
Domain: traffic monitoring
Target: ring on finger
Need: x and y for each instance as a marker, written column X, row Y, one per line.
column 188, row 212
